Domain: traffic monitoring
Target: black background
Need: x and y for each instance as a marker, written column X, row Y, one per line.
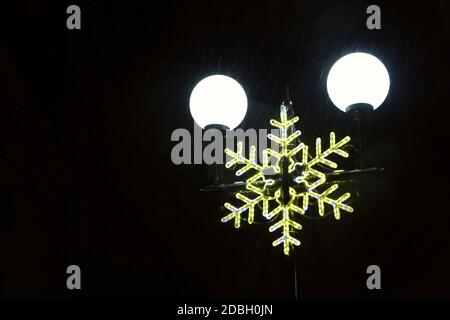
column 86, row 176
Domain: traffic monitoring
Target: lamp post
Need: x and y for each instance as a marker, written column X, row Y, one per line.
column 304, row 177
column 358, row 83
column 218, row 102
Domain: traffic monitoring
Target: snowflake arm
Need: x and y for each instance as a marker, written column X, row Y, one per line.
column 251, row 185
column 286, row 239
column 319, row 178
column 287, row 223
column 239, row 158
column 321, row 157
column 336, row 204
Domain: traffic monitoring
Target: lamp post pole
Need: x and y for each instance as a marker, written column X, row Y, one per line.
column 215, row 171
column 285, row 178
column 359, row 112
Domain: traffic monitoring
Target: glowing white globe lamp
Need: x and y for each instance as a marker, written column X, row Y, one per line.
column 218, row 101
column 358, row 80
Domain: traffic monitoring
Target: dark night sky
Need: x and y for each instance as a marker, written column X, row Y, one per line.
column 85, row 171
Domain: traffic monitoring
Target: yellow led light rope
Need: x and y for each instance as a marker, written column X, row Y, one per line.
column 284, row 217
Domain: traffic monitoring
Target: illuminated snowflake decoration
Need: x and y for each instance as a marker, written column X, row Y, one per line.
column 284, row 198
